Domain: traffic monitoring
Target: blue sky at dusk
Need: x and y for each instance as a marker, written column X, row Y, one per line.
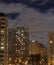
column 37, row 15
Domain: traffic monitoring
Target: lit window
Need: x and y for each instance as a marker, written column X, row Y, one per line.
column 16, row 50
column 33, row 41
column 2, row 47
column 2, row 31
column 18, row 32
column 7, row 32
column 53, row 62
column 10, row 59
column 20, row 60
column 2, row 39
column 10, row 64
column 22, row 31
column 23, row 43
column 16, row 44
column 16, row 36
column 26, row 62
column 50, row 41
column 22, row 40
column 22, row 53
column 23, row 48
column 22, row 34
column 23, row 37
column 2, row 43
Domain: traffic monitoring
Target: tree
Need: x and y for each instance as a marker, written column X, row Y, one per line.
column 38, row 59
column 35, row 59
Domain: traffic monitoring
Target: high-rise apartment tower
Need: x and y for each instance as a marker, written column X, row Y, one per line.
column 3, row 39
column 51, row 49
column 22, row 43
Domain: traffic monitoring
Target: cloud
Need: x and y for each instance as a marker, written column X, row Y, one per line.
column 13, row 15
column 37, row 21
column 40, row 36
column 6, row 1
column 13, row 11
column 33, row 0
column 42, row 5
column 11, row 8
column 43, row 2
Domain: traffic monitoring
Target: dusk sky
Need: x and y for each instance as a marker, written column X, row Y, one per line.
column 36, row 15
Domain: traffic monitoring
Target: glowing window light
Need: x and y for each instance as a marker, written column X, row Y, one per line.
column 33, row 41
column 16, row 44
column 22, row 31
column 10, row 64
column 18, row 32
column 16, row 50
column 26, row 62
column 2, row 39
column 20, row 60
column 22, row 34
column 2, row 31
column 2, row 47
column 50, row 41
column 2, row 43
column 16, row 36
column 10, row 59
column 53, row 62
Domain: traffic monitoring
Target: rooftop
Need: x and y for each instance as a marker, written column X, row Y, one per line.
column 2, row 14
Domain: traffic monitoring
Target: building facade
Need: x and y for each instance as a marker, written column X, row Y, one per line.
column 3, row 39
column 11, row 46
column 18, row 45
column 22, row 43
column 51, row 48
column 37, row 48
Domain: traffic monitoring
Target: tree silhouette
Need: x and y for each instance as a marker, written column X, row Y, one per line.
column 35, row 59
column 38, row 59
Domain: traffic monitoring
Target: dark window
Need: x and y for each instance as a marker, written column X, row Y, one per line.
column 1, row 59
column 50, row 64
column 2, row 36
column 2, row 26
column 2, row 18
column 2, row 23
column 1, row 55
column 1, row 51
